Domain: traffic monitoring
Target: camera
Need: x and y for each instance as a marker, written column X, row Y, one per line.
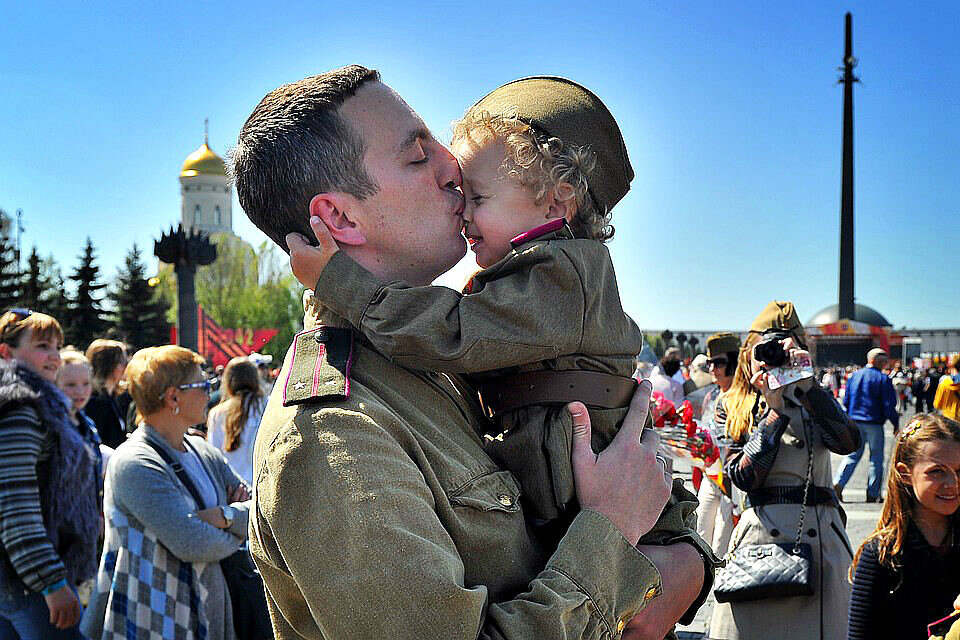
column 770, row 349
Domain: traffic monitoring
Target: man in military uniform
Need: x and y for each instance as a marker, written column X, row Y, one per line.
column 378, row 513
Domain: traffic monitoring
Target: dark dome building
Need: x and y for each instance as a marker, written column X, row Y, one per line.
column 861, row 313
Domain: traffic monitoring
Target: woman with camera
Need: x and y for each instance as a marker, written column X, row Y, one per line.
column 783, row 426
column 174, row 510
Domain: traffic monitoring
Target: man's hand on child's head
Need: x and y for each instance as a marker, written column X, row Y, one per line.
column 307, row 261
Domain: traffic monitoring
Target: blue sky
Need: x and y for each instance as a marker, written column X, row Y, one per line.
column 730, row 112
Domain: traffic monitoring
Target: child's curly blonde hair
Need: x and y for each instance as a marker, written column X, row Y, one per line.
column 541, row 164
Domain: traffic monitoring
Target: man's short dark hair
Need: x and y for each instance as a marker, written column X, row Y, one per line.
column 295, row 145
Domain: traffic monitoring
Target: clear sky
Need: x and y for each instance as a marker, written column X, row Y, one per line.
column 730, row 111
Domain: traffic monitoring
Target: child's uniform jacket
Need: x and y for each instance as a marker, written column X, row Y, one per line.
column 551, row 304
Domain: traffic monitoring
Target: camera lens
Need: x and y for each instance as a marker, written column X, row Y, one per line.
column 770, row 352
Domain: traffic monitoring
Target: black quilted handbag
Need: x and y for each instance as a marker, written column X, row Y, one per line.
column 772, row 570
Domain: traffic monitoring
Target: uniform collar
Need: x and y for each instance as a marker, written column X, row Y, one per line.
column 553, row 230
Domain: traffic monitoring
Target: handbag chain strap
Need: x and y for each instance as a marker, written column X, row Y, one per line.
column 806, row 484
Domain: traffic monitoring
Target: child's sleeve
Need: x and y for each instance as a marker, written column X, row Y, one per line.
column 531, row 309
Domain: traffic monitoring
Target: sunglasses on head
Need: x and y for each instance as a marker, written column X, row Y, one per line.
column 22, row 314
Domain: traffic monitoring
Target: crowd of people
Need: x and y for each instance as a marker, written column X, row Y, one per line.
column 109, row 531
column 905, row 574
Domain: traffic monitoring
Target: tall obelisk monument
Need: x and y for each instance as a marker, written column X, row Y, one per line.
column 846, row 190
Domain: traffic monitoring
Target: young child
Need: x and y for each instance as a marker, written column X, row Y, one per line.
column 541, row 324
column 75, row 379
column 907, row 572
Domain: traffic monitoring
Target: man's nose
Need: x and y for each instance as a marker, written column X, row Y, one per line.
column 449, row 170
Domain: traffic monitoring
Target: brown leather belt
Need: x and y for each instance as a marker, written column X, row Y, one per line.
column 592, row 388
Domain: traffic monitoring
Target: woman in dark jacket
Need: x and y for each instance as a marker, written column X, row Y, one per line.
column 109, row 360
column 49, row 518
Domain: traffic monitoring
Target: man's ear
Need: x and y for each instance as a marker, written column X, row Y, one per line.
column 5, row 351
column 332, row 209
column 561, row 202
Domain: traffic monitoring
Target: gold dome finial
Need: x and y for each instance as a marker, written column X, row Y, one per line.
column 203, row 161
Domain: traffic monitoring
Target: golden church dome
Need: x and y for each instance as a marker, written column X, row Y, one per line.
column 203, row 161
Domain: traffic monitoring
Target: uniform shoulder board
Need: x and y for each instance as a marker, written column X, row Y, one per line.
column 320, row 365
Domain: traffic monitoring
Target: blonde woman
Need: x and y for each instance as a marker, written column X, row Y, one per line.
column 779, row 434
column 232, row 425
column 174, row 509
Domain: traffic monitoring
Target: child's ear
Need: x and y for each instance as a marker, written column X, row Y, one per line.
column 562, row 203
column 904, row 472
column 333, row 209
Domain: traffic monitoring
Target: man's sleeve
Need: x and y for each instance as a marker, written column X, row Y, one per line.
column 534, row 312
column 349, row 541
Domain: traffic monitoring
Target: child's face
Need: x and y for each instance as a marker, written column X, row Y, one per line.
column 934, row 477
column 74, row 381
column 498, row 208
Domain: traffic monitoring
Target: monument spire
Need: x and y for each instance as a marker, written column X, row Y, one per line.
column 847, row 309
column 206, row 129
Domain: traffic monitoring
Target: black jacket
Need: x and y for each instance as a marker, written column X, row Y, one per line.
column 900, row 603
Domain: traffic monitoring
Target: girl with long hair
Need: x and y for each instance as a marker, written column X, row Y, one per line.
column 907, row 572
column 232, row 425
column 781, row 437
column 108, row 360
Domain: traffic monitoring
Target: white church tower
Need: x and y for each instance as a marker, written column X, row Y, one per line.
column 205, row 191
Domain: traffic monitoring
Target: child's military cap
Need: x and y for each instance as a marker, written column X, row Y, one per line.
column 563, row 109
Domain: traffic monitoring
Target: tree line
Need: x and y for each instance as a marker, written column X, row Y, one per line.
column 243, row 288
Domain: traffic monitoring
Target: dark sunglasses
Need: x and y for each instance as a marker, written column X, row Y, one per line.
column 717, row 362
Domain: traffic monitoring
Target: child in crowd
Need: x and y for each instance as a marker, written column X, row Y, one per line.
column 541, row 324
column 907, row 572
column 75, row 379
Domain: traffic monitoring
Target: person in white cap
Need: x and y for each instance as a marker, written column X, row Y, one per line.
column 870, row 400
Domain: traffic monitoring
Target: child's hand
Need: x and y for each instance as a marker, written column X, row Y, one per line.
column 306, row 261
column 956, row 603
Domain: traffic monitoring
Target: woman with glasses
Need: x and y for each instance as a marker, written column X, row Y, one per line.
column 174, row 509
column 716, row 506
column 49, row 516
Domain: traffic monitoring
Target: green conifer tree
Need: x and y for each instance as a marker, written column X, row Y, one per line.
column 86, row 316
column 9, row 276
column 140, row 315
column 33, row 285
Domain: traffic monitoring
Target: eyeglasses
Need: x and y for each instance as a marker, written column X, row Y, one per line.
column 717, row 362
column 207, row 385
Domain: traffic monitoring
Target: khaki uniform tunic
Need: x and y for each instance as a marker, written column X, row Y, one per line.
column 552, row 303
column 824, row 614
column 379, row 515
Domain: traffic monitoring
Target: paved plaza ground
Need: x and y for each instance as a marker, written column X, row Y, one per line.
column 861, row 518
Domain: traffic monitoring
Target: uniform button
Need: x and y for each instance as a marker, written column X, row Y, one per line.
column 621, row 623
column 649, row 595
column 505, row 500
column 799, row 444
